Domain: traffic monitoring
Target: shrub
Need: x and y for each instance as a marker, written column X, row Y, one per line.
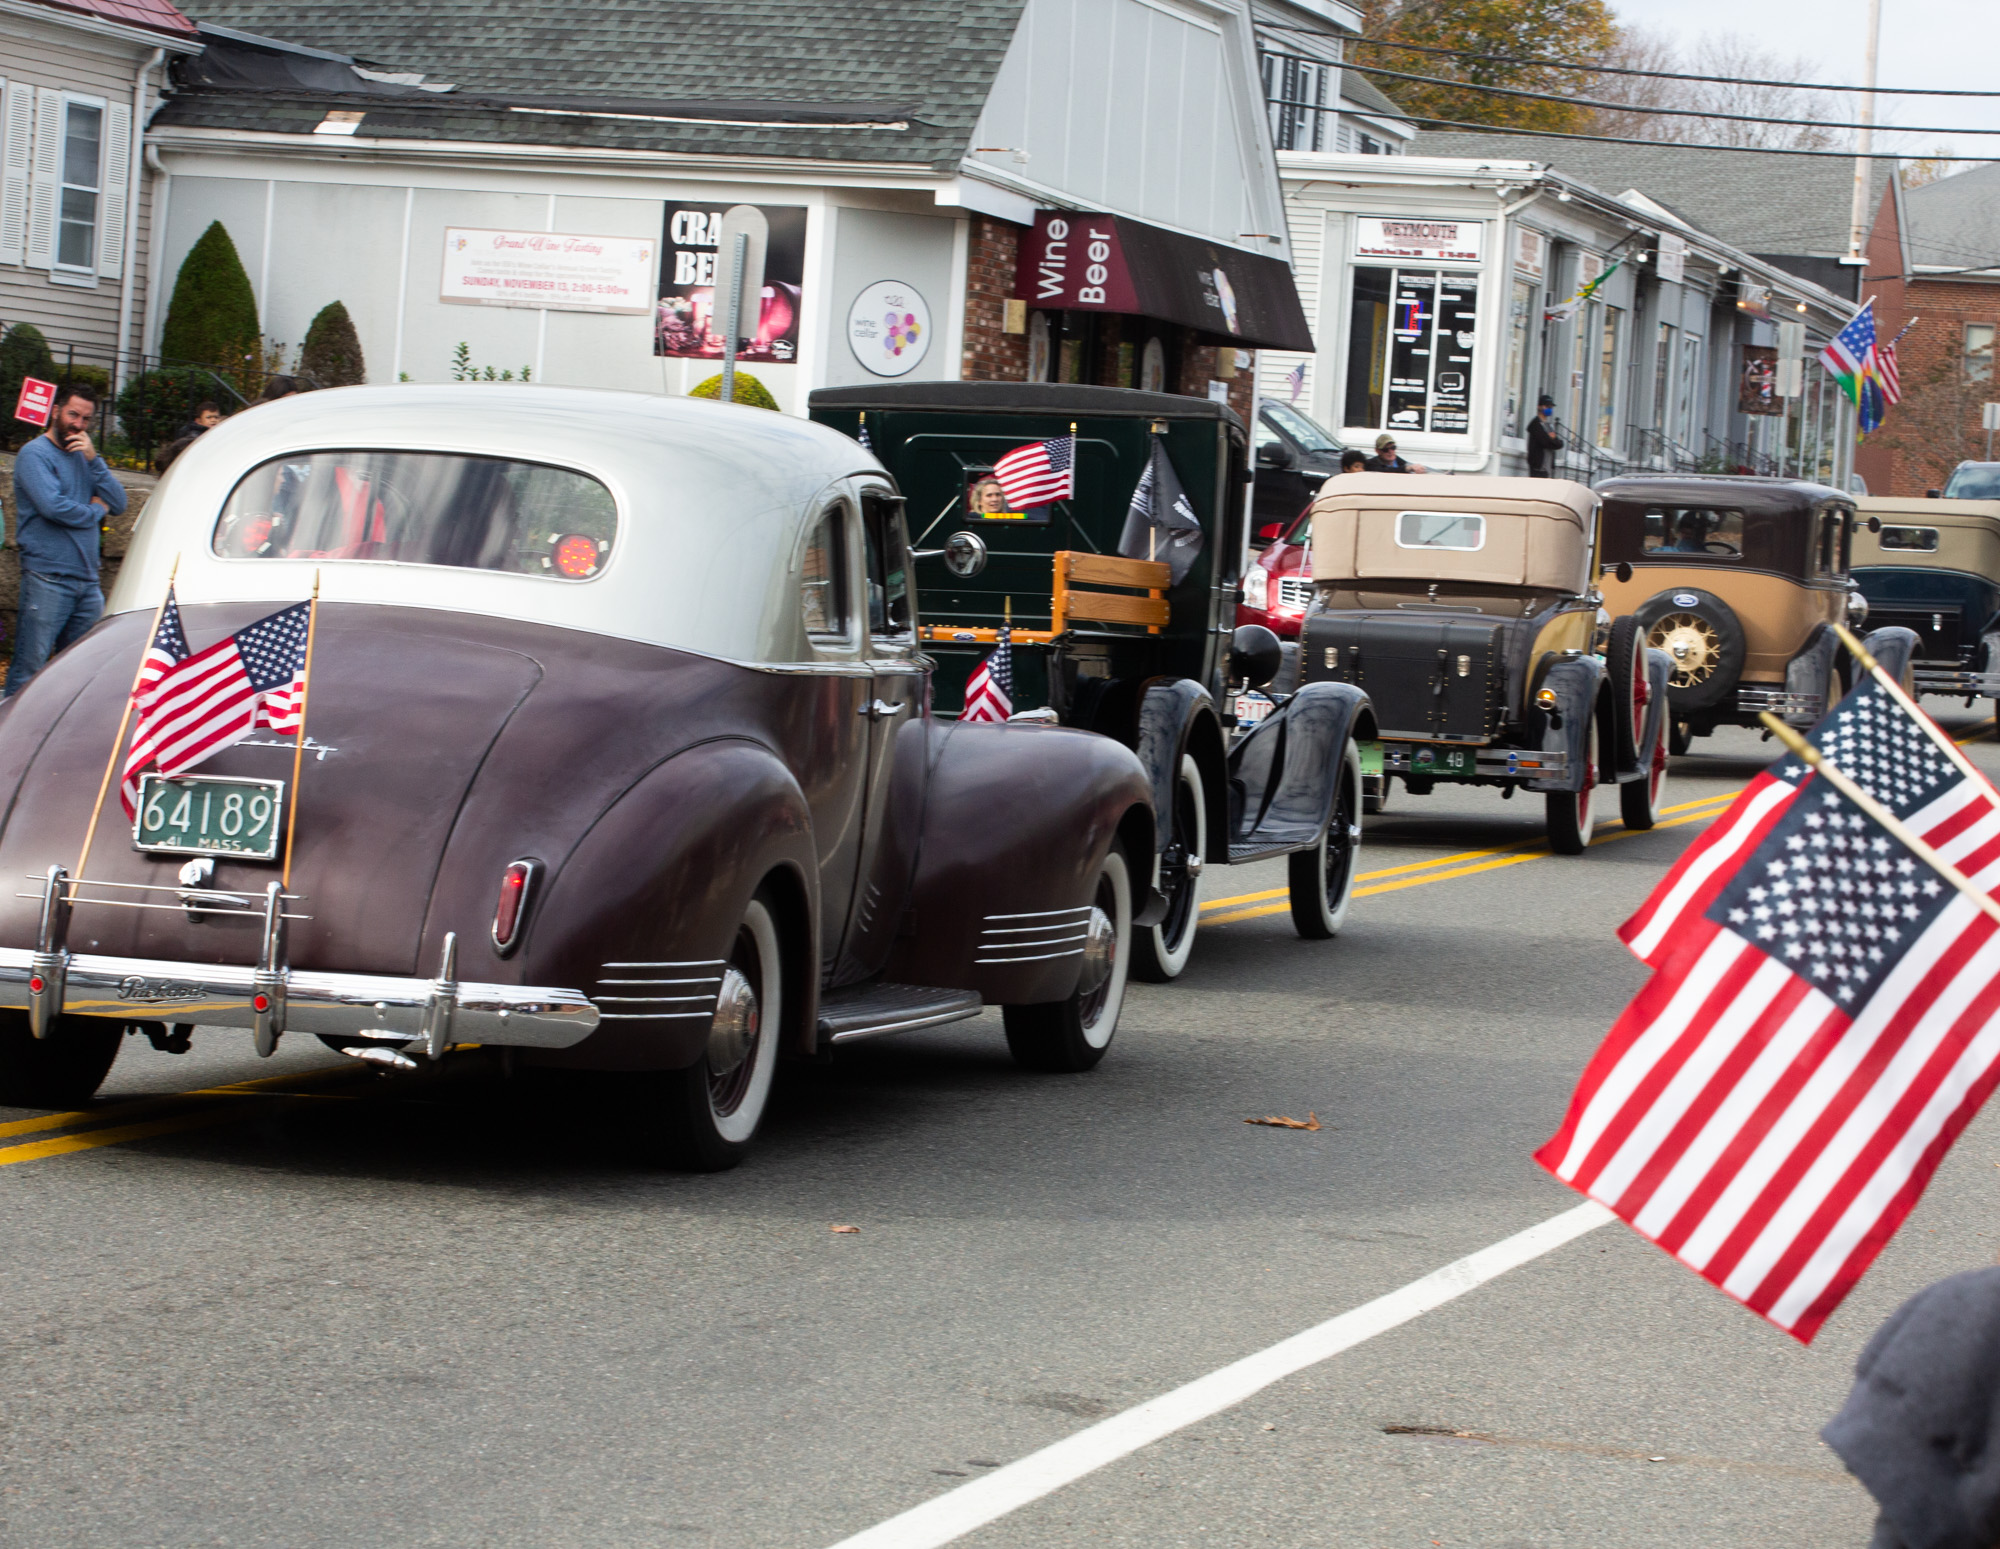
column 156, row 404
column 331, row 355
column 212, row 318
column 96, row 378
column 463, row 370
column 750, row 392
column 24, row 353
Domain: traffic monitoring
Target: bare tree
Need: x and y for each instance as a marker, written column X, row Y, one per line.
column 1717, row 55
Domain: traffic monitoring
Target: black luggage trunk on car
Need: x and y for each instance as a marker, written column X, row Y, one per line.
column 1428, row 676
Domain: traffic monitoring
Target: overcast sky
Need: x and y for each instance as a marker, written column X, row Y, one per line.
column 1924, row 43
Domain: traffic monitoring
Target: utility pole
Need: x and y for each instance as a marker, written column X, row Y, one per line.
column 1857, row 226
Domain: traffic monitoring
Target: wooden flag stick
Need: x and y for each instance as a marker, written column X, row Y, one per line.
column 1839, row 779
column 299, row 747
column 1883, row 676
column 125, row 720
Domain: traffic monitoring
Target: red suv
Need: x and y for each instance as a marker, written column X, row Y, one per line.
column 1278, row 584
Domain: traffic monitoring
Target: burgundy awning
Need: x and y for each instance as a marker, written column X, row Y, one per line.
column 1109, row 263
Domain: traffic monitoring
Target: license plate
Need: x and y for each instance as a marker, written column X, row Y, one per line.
column 1452, row 763
column 1371, row 757
column 1252, row 708
column 216, row 816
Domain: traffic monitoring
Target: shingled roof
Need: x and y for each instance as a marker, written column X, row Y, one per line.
column 674, row 75
column 153, row 15
column 1761, row 203
column 1954, row 223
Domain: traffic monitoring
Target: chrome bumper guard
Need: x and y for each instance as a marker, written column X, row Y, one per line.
column 1956, row 681
column 1519, row 763
column 1803, row 708
column 272, row 998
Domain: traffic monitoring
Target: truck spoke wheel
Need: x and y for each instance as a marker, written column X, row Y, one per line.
column 1161, row 951
column 59, row 1071
column 1072, row 1035
column 1322, row 878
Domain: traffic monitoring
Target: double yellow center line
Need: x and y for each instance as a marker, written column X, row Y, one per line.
column 1467, row 863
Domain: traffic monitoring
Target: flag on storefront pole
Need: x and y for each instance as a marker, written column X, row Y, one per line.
column 1850, row 358
column 1823, row 1022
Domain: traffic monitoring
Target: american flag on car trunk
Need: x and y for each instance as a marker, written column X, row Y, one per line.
column 192, row 706
column 1825, row 1019
column 989, row 692
column 1039, row 473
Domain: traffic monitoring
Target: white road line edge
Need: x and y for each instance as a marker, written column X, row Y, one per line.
column 991, row 1496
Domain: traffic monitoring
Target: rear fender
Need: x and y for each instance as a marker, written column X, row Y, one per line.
column 1659, row 668
column 1288, row 764
column 1896, row 649
column 1016, row 825
column 664, row 876
column 1578, row 683
column 1806, row 673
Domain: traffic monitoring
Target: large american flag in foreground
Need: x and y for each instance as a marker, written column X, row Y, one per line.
column 1824, row 1021
column 989, row 692
column 192, row 705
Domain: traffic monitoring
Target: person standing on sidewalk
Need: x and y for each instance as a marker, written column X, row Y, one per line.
column 62, row 492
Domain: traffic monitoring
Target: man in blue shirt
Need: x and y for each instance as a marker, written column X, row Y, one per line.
column 62, row 490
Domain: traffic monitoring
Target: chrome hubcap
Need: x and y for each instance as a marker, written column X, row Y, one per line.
column 733, row 1033
column 1100, row 950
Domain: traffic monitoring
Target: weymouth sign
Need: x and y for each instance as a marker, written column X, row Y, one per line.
column 1403, row 237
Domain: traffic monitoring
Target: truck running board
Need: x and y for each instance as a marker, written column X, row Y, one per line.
column 873, row 1010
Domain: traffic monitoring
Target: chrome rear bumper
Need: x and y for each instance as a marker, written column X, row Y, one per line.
column 1957, row 681
column 1799, row 709
column 272, row 998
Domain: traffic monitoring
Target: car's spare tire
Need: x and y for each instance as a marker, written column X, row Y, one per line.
column 1703, row 637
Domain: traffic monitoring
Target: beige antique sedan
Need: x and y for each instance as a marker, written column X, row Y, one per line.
column 1933, row 568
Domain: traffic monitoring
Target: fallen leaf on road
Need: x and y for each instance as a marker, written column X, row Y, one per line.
column 1310, row 1121
column 851, row 1229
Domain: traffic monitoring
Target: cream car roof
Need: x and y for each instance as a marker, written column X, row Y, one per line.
column 713, row 501
column 1538, row 531
column 1968, row 533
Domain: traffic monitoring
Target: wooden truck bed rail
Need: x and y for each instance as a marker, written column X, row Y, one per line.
column 1071, row 602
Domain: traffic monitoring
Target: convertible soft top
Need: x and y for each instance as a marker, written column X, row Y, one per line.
column 1532, row 532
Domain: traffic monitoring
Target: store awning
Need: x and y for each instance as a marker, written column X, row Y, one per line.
column 1111, row 263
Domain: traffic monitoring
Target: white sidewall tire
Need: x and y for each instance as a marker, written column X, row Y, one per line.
column 1167, row 964
column 1098, row 1030
column 740, row 1124
column 1336, row 915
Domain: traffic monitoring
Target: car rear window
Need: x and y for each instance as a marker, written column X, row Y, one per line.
column 1923, row 540
column 422, row 508
column 1713, row 532
column 1440, row 530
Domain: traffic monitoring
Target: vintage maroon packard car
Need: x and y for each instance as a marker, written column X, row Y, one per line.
column 617, row 754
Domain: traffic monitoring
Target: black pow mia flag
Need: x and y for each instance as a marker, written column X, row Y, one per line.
column 1161, row 523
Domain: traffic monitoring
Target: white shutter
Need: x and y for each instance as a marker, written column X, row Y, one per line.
column 17, row 134
column 111, row 198
column 44, row 184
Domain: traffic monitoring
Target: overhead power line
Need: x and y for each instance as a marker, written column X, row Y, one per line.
column 1623, row 107
column 1662, row 145
column 1658, row 75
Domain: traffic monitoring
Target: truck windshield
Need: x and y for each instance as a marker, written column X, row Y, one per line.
column 422, row 508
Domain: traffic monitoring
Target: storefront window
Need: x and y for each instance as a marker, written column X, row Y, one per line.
column 1520, row 311
column 1410, row 345
column 1607, row 376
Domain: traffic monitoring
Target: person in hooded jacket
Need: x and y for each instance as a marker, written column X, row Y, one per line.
column 1921, row 1428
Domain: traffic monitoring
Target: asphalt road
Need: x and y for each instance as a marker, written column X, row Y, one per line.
column 342, row 1310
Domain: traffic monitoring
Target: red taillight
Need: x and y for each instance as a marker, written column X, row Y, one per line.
column 260, row 1002
column 513, row 905
column 36, row 985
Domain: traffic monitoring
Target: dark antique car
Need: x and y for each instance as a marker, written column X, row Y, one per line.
column 1113, row 643
column 1933, row 567
column 1740, row 580
column 618, row 755
column 1466, row 608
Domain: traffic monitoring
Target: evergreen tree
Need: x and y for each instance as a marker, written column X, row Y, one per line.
column 212, row 318
column 750, row 393
column 24, row 353
column 331, row 355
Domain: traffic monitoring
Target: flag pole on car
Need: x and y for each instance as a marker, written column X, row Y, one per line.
column 299, row 746
column 124, row 721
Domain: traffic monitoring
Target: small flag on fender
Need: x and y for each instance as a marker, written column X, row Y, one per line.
column 1824, row 1021
column 989, row 692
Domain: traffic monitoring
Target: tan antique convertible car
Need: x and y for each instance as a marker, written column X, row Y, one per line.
column 1466, row 608
column 619, row 756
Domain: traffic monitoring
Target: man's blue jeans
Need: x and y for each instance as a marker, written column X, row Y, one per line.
column 55, row 610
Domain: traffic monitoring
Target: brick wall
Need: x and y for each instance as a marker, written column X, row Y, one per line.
column 991, row 355
column 1198, row 370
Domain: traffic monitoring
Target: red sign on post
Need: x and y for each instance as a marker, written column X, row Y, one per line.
column 37, row 400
